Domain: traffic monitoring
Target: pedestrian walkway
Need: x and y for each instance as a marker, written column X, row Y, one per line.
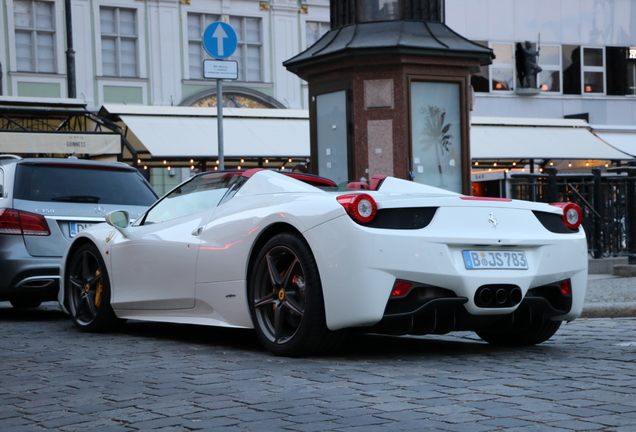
column 609, row 296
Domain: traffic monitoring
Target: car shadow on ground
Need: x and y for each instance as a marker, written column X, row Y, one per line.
column 42, row 313
column 234, row 338
column 356, row 346
column 374, row 346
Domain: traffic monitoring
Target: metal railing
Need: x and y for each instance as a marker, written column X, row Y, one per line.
column 608, row 202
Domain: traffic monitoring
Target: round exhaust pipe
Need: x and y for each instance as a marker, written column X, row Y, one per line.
column 515, row 296
column 501, row 296
column 485, row 296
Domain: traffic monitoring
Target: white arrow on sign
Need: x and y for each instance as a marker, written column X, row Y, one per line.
column 220, row 35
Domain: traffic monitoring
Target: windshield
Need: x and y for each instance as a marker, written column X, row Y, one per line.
column 82, row 184
column 201, row 193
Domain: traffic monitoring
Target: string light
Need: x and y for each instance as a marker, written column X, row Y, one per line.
column 266, row 160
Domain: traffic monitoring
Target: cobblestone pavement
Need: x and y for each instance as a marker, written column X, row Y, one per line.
column 168, row 377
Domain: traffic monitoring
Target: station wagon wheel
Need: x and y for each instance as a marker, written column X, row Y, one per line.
column 88, row 291
column 286, row 299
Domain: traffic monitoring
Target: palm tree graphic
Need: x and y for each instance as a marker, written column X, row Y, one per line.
column 436, row 134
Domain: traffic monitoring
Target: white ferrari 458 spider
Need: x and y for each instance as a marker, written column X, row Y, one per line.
column 302, row 263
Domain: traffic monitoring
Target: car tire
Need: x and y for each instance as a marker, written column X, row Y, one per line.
column 25, row 303
column 286, row 301
column 533, row 336
column 88, row 291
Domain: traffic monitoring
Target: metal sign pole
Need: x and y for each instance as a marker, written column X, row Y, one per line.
column 220, row 41
column 219, row 120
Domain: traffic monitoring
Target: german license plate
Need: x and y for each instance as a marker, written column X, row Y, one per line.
column 77, row 227
column 488, row 260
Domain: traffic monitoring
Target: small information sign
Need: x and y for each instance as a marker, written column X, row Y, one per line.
column 220, row 69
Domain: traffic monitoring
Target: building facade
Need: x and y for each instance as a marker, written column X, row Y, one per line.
column 149, row 52
column 586, row 52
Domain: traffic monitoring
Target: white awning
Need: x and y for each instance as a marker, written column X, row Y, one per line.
column 509, row 138
column 179, row 136
column 623, row 140
column 57, row 142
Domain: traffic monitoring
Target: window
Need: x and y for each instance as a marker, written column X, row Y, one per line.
column 314, row 31
column 248, row 52
column 201, row 193
column 119, row 42
column 549, row 79
column 502, row 69
column 379, row 10
column 631, row 77
column 620, row 71
column 480, row 80
column 197, row 23
column 64, row 183
column 593, row 70
column 571, row 64
column 34, row 36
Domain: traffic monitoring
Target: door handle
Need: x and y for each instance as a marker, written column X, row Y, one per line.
column 197, row 232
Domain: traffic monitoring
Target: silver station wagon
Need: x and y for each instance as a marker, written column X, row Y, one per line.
column 44, row 203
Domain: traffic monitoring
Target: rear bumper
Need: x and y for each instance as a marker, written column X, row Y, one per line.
column 26, row 276
column 360, row 265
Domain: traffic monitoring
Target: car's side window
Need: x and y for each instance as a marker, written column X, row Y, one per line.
column 1, row 183
column 201, row 193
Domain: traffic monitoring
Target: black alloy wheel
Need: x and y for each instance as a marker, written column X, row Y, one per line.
column 286, row 299
column 88, row 291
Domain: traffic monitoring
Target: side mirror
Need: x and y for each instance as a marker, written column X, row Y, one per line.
column 120, row 219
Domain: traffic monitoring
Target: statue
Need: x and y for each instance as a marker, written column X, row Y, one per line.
column 527, row 62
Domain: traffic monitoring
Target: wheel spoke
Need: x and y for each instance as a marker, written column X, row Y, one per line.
column 79, row 309
column 279, row 322
column 93, row 279
column 274, row 275
column 268, row 299
column 77, row 282
column 291, row 304
column 289, row 271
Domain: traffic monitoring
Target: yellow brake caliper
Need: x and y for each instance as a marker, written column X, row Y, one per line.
column 98, row 290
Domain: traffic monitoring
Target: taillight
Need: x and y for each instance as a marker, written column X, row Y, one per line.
column 572, row 214
column 15, row 222
column 566, row 287
column 361, row 207
column 401, row 288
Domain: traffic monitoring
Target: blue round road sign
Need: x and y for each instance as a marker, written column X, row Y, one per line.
column 219, row 40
